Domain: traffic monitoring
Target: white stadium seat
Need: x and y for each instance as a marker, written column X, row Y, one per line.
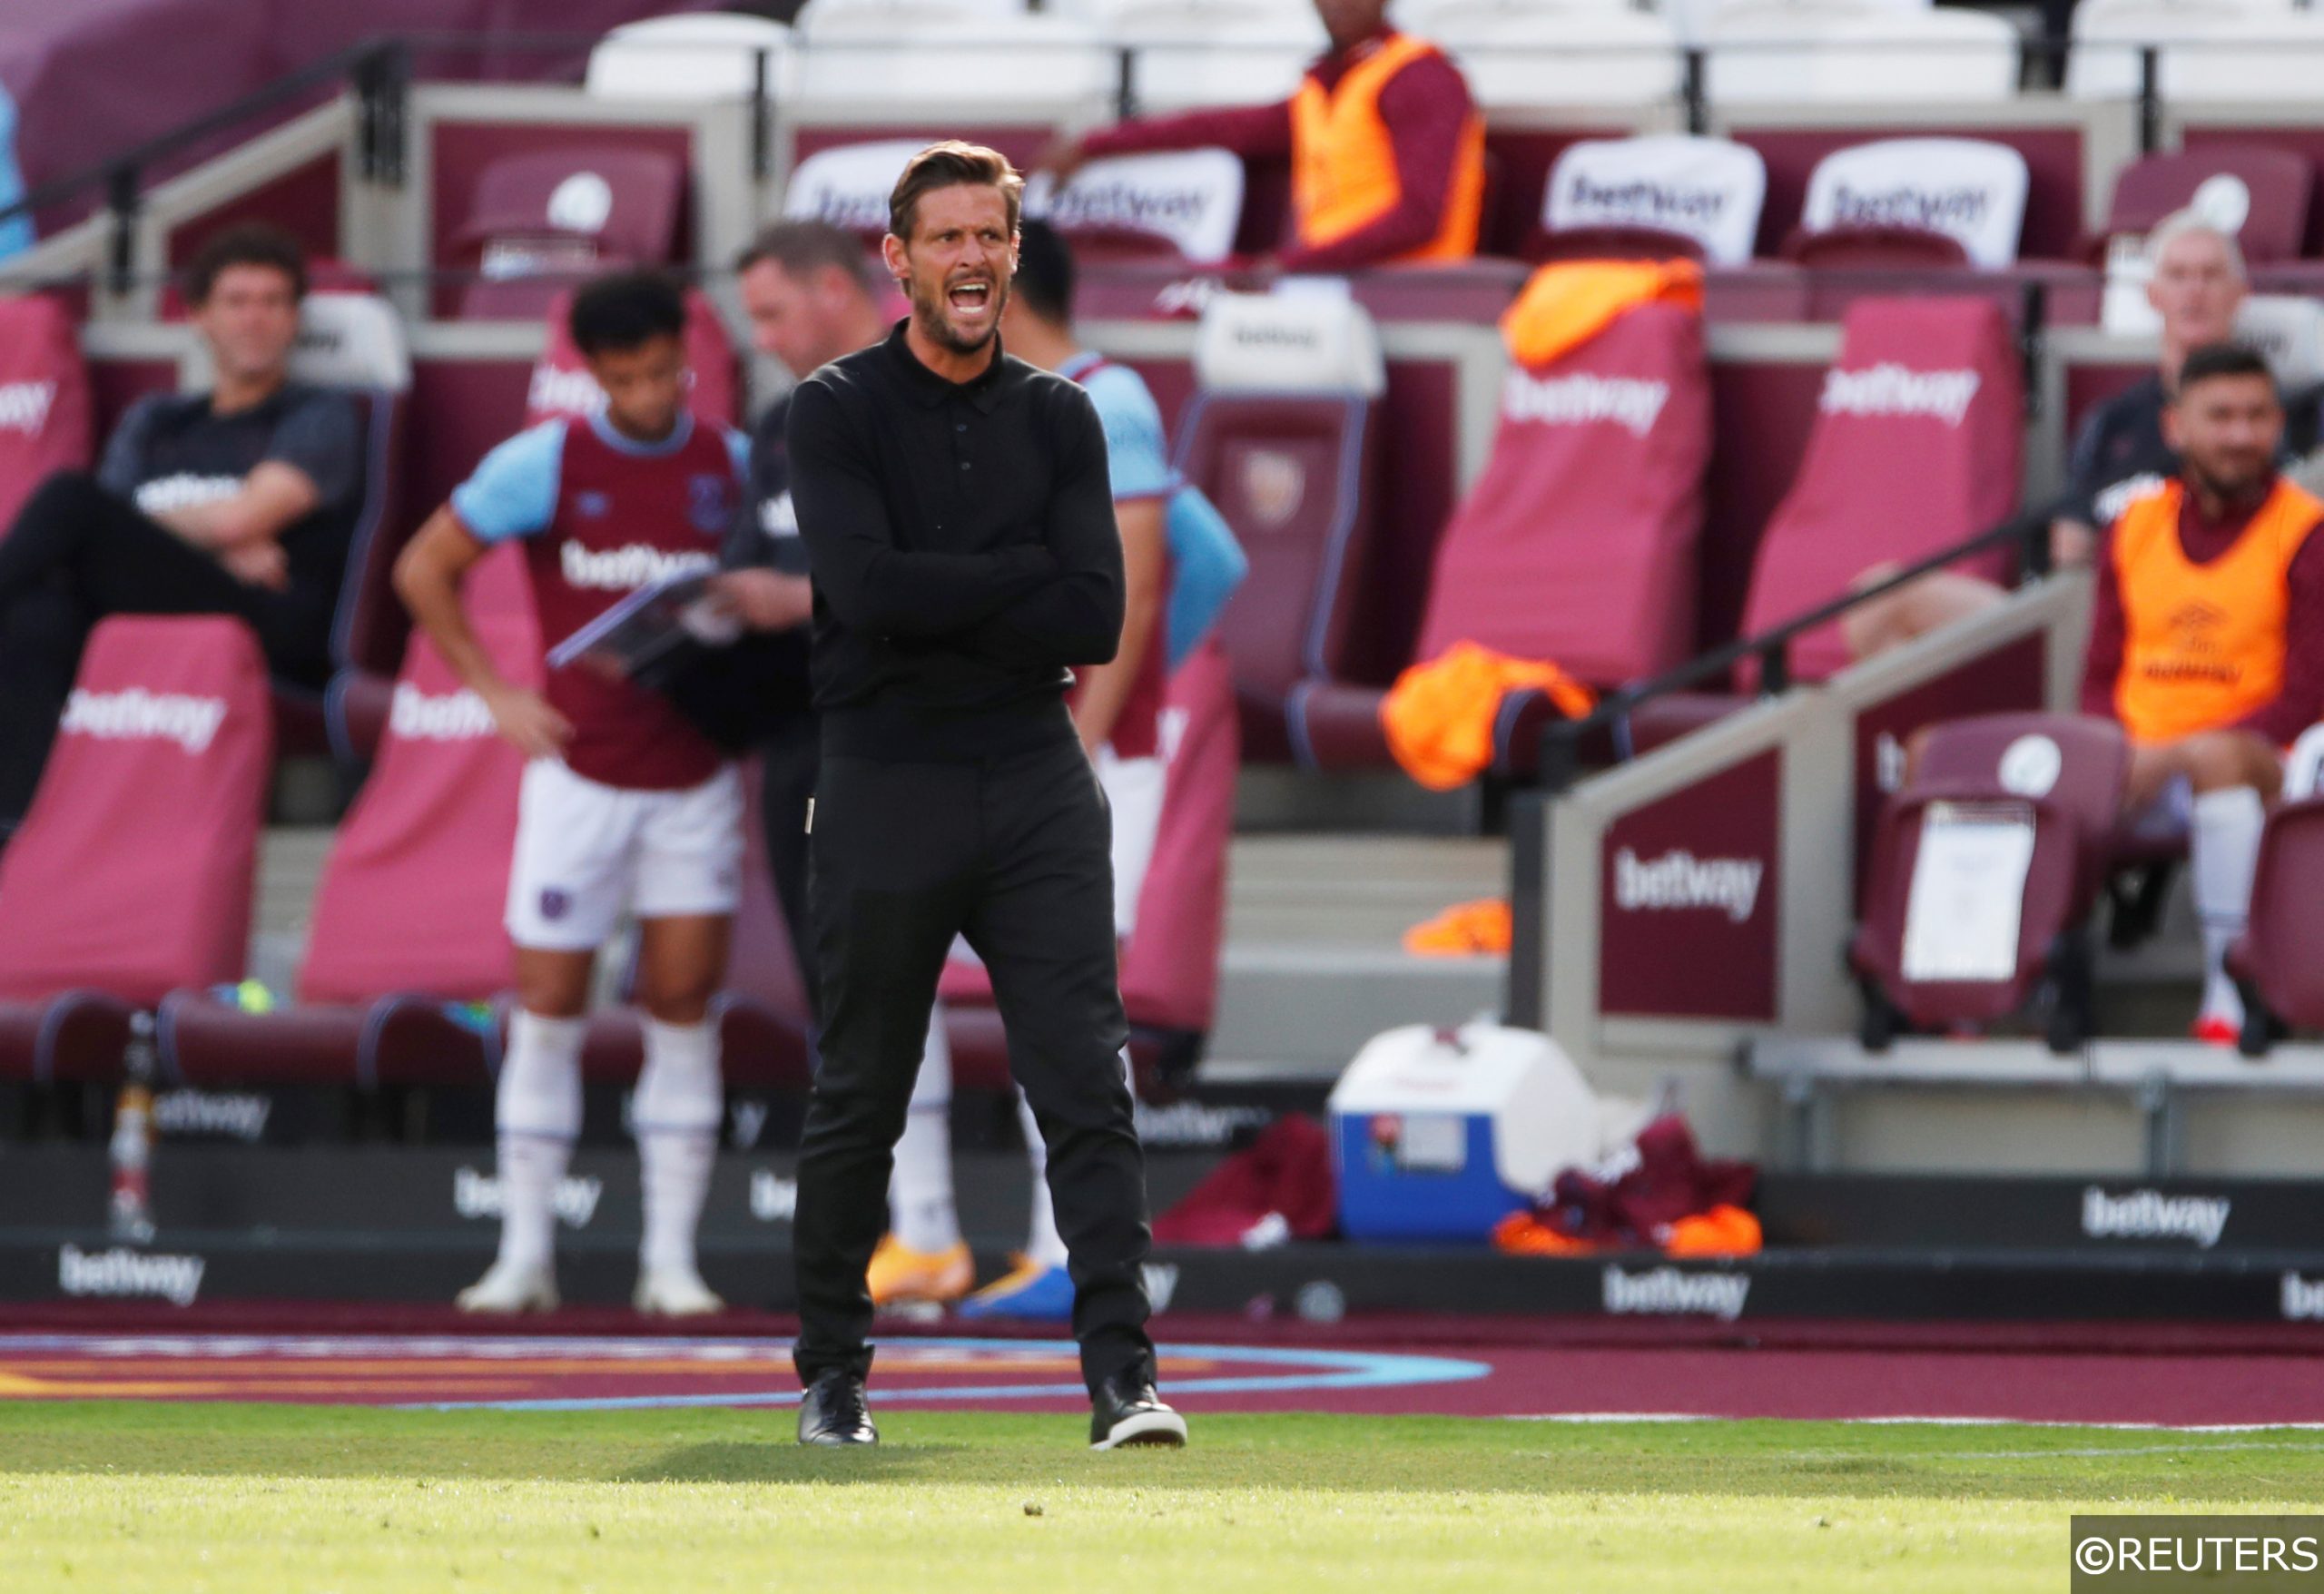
column 1708, row 190
column 848, row 185
column 1694, row 19
column 1554, row 53
column 1970, row 190
column 711, row 56
column 912, row 58
column 2242, row 50
column 1788, row 53
column 1188, row 54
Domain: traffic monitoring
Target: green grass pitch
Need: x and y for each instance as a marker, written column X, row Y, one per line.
column 191, row 1498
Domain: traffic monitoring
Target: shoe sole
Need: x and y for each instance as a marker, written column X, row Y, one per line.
column 500, row 1309
column 840, row 1443
column 1147, row 1430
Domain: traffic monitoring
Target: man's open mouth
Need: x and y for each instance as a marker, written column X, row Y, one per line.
column 969, row 298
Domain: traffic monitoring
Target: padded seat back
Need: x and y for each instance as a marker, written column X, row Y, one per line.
column 2278, row 953
column 46, row 417
column 1871, row 55
column 1578, row 542
column 2258, row 195
column 1970, row 191
column 131, row 873
column 1916, row 448
column 413, row 893
column 1171, row 967
column 1179, row 205
column 562, row 384
column 710, row 55
column 542, row 218
column 2077, row 762
column 1280, row 436
column 848, row 185
column 1704, row 195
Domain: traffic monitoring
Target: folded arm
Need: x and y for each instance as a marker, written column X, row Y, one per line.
column 1076, row 617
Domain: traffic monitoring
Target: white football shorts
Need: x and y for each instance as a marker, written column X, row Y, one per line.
column 586, row 851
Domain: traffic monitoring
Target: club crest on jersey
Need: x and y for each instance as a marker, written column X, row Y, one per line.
column 707, row 503
column 555, row 904
column 595, row 506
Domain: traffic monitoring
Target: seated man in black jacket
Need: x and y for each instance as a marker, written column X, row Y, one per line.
column 238, row 501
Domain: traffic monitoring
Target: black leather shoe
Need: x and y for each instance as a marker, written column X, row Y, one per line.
column 1126, row 1411
column 832, row 1412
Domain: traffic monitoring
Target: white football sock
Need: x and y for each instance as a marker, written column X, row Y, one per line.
column 675, row 1113
column 920, row 1191
column 537, row 1110
column 2224, row 849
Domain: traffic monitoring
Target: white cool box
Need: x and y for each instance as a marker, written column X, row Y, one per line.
column 1440, row 1134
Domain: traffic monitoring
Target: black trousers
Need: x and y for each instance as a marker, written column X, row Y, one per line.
column 78, row 554
column 1012, row 853
column 754, row 697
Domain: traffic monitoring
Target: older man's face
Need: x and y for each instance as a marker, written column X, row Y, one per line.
column 2196, row 291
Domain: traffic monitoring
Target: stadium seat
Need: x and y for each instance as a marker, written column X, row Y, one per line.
column 1915, row 448
column 46, row 418
column 710, row 55
column 1694, row 19
column 905, row 55
column 1914, row 202
column 2232, row 52
column 1182, row 206
column 2064, row 774
column 1652, row 197
column 1282, row 436
column 561, row 383
column 1576, row 543
column 132, row 875
column 2259, row 195
column 1170, row 964
column 541, row 220
column 1189, row 53
column 848, row 185
column 2275, row 962
column 1787, row 53
column 408, row 911
column 1521, row 55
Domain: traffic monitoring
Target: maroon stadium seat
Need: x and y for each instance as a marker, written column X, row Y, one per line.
column 2278, row 186
column 545, row 219
column 408, row 913
column 2275, row 962
column 1170, row 965
column 2066, row 770
column 132, row 875
column 562, row 385
column 46, row 421
column 1915, row 448
column 1576, row 543
column 1282, row 437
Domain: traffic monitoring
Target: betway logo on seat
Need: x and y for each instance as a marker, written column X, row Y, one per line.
column 626, row 569
column 1581, row 398
column 1889, row 389
column 135, row 715
column 24, row 406
column 1668, row 1291
column 1648, row 203
column 2150, row 1214
column 453, row 717
column 478, row 1194
column 1933, row 210
column 1679, row 880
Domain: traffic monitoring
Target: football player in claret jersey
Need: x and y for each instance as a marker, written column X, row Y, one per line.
column 623, row 801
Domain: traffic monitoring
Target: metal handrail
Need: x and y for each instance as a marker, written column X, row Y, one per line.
column 1561, row 741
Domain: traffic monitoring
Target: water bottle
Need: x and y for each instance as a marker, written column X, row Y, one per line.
column 133, row 1136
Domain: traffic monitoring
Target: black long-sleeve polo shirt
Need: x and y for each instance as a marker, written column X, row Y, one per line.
column 963, row 549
